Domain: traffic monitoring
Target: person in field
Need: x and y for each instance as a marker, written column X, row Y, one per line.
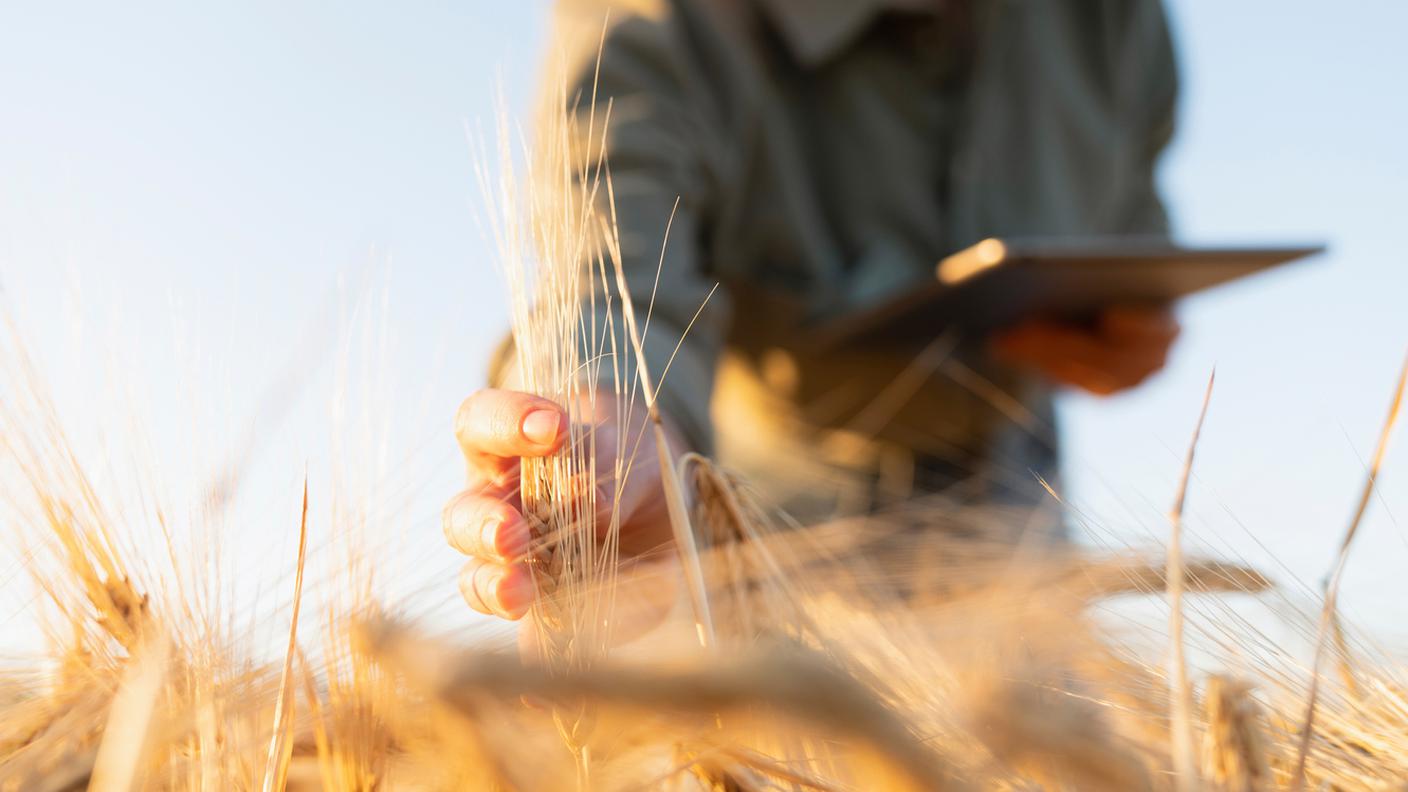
column 825, row 154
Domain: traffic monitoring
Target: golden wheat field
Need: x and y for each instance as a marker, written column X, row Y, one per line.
column 864, row 654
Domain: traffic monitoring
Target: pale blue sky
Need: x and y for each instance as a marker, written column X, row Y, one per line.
column 179, row 176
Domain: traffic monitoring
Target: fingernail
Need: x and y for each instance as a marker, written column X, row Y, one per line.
column 514, row 594
column 541, row 426
column 485, row 589
column 508, row 539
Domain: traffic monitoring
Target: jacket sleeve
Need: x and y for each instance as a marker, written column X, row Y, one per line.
column 656, row 147
column 1148, row 74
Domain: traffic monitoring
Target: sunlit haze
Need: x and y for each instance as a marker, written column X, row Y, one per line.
column 231, row 221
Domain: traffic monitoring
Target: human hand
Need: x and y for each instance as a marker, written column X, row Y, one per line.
column 496, row 429
column 1125, row 346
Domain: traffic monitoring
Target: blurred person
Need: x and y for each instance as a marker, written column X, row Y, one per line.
column 825, row 155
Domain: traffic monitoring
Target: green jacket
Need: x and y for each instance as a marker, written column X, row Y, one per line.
column 825, row 154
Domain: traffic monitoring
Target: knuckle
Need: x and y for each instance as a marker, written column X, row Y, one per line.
column 472, row 583
column 502, row 539
column 454, row 517
column 492, row 417
column 474, row 523
column 472, row 600
column 495, row 476
column 464, row 416
column 447, row 515
column 503, row 420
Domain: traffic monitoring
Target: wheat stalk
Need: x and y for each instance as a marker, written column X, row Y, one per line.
column 281, row 744
column 1332, row 588
column 1185, row 766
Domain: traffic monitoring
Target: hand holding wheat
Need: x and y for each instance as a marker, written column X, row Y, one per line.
column 496, row 429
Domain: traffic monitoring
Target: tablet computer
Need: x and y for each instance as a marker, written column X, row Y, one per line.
column 999, row 282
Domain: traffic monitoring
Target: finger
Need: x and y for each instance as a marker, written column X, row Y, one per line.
column 504, row 590
column 1044, row 344
column 1129, row 363
column 1036, row 341
column 1015, row 344
column 507, row 486
column 1128, row 322
column 1022, row 347
column 503, row 424
column 1080, row 359
column 485, row 526
column 1104, row 372
column 1139, row 365
column 1081, row 377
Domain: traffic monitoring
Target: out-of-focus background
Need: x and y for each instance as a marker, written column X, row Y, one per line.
column 222, row 224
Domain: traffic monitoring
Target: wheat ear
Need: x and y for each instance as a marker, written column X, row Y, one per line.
column 1235, row 743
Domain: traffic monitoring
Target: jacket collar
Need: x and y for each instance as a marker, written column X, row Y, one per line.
column 816, row 30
